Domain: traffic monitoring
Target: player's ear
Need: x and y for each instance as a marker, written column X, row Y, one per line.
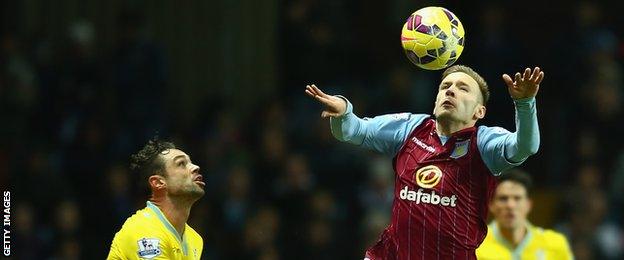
column 479, row 111
column 156, row 182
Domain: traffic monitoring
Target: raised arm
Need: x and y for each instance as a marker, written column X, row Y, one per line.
column 384, row 134
column 523, row 90
column 501, row 149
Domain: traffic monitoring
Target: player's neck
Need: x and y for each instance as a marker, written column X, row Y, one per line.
column 514, row 235
column 177, row 211
column 448, row 127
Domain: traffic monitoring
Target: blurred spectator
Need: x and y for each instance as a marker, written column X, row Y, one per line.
column 293, row 189
column 119, row 191
column 139, row 73
column 589, row 218
column 378, row 194
column 236, row 208
column 28, row 243
column 69, row 233
column 261, row 232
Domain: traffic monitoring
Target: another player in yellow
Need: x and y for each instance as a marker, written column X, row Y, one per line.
column 159, row 231
column 510, row 235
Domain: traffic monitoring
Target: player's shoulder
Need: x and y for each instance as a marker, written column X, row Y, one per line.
column 142, row 223
column 142, row 217
column 485, row 134
column 490, row 232
column 193, row 234
column 403, row 116
column 192, row 231
column 491, row 248
column 142, row 234
column 550, row 236
column 399, row 121
column 483, row 130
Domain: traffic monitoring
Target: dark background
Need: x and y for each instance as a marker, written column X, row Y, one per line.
column 83, row 84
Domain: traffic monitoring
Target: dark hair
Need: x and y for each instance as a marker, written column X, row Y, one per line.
column 147, row 161
column 518, row 176
column 485, row 91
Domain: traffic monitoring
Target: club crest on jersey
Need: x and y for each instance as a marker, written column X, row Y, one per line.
column 149, row 248
column 428, row 177
column 461, row 149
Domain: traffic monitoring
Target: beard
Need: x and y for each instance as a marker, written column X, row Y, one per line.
column 190, row 191
column 196, row 191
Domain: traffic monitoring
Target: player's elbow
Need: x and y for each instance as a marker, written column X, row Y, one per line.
column 533, row 149
column 528, row 151
column 528, row 147
column 523, row 152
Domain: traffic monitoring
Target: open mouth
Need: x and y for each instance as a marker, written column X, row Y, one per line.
column 199, row 180
column 448, row 103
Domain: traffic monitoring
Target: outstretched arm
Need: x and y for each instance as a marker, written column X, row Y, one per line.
column 523, row 90
column 384, row 133
column 501, row 149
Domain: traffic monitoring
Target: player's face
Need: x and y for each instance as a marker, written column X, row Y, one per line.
column 459, row 99
column 182, row 178
column 510, row 205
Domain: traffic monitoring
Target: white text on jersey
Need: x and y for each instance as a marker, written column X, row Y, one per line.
column 429, row 198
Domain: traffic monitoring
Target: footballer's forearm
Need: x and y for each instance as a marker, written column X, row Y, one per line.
column 348, row 127
column 525, row 141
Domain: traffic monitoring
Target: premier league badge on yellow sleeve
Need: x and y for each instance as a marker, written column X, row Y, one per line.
column 149, row 248
column 461, row 149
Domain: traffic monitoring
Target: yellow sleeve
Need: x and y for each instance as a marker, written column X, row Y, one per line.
column 133, row 244
column 560, row 246
column 491, row 250
column 114, row 253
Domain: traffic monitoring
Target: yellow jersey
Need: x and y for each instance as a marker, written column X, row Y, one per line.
column 538, row 244
column 148, row 235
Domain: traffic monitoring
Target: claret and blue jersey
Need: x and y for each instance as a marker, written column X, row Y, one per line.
column 442, row 183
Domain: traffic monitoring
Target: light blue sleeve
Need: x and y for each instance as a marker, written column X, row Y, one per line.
column 384, row 134
column 501, row 149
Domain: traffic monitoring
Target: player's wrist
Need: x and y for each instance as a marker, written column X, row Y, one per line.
column 345, row 107
column 524, row 100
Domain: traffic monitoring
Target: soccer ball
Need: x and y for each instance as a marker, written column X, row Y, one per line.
column 433, row 38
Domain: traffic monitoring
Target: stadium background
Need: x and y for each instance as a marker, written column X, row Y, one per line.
column 83, row 84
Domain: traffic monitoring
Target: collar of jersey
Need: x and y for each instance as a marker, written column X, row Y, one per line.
column 517, row 252
column 170, row 227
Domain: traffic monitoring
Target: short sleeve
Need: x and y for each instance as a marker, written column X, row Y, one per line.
column 491, row 142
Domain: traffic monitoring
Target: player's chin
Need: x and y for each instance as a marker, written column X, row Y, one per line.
column 509, row 223
column 199, row 186
column 197, row 192
column 444, row 114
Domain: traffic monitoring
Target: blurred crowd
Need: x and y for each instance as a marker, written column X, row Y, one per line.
column 279, row 186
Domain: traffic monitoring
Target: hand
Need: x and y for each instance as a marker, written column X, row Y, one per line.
column 525, row 85
column 334, row 106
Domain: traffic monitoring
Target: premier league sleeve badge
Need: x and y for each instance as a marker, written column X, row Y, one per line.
column 149, row 248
